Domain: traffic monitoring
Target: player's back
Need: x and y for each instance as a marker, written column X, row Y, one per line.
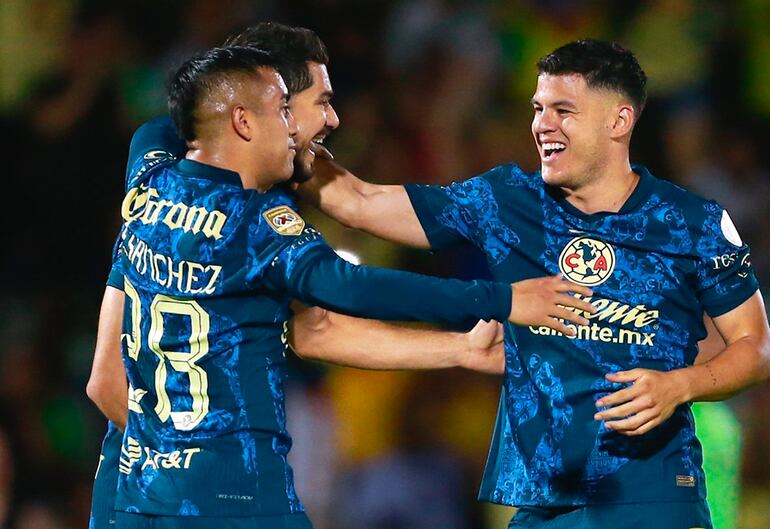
column 205, row 357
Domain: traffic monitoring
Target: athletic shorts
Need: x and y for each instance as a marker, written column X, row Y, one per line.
column 691, row 515
column 128, row 520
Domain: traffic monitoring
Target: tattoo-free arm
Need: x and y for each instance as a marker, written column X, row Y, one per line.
column 653, row 395
column 108, row 386
column 317, row 334
column 384, row 211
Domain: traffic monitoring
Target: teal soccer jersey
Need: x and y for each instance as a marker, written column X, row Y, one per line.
column 106, row 481
column 654, row 267
column 209, row 270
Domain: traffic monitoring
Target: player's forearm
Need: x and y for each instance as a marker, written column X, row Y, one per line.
column 384, row 211
column 111, row 401
column 382, row 294
column 742, row 364
column 370, row 344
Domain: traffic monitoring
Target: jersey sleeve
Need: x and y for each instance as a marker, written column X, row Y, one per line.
column 725, row 276
column 153, row 143
column 464, row 212
column 297, row 261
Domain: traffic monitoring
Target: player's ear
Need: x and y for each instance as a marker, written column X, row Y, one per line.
column 241, row 121
column 624, row 119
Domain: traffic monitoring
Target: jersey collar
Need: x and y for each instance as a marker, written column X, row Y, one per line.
column 209, row 172
column 638, row 196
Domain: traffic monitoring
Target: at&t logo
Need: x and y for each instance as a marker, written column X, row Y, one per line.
column 587, row 261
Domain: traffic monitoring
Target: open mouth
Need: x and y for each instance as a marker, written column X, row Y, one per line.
column 552, row 150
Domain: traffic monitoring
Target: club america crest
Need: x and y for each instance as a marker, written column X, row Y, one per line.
column 587, row 261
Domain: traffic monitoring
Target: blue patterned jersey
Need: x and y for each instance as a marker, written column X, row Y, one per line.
column 654, row 267
column 209, row 270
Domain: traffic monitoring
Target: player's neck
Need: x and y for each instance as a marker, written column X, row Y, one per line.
column 606, row 191
column 229, row 161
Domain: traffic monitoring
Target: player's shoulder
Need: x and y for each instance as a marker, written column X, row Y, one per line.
column 693, row 206
column 511, row 174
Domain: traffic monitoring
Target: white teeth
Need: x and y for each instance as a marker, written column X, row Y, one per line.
column 554, row 146
column 319, row 140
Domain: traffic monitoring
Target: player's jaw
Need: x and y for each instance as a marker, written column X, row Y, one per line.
column 303, row 162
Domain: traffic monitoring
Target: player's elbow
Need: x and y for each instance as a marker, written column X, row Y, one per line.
column 98, row 390
column 308, row 331
column 763, row 348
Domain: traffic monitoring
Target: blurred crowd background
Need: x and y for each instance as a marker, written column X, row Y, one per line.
column 427, row 91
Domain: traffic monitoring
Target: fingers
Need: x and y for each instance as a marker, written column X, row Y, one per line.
column 625, row 376
column 571, row 301
column 631, row 407
column 619, row 397
column 637, row 424
column 566, row 314
column 568, row 286
column 321, row 151
column 560, row 326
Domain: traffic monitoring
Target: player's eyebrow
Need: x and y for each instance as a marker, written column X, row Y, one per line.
column 328, row 94
column 562, row 103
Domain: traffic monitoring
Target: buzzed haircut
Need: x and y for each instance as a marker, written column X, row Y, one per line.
column 602, row 64
column 201, row 75
column 291, row 47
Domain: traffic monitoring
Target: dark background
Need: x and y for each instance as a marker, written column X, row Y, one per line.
column 427, row 91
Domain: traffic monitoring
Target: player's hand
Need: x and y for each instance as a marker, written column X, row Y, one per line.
column 321, row 152
column 546, row 301
column 650, row 400
column 485, row 348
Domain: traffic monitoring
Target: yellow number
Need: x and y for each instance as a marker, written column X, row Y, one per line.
column 133, row 340
column 182, row 361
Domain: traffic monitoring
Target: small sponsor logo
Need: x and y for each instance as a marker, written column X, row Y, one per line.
column 284, row 220
column 685, row 481
column 587, row 261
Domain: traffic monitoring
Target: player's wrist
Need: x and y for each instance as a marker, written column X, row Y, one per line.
column 684, row 384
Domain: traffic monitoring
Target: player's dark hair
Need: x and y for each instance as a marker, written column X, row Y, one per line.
column 203, row 73
column 291, row 47
column 602, row 64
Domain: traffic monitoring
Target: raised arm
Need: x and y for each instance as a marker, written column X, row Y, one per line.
column 317, row 334
column 107, row 386
column 384, row 211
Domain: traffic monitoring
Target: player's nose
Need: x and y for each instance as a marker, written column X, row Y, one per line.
column 332, row 119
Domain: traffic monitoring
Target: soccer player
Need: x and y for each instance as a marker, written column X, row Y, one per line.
column 593, row 430
column 211, row 253
column 316, row 334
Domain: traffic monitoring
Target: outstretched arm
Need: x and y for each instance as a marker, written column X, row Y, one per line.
column 326, row 280
column 107, row 386
column 317, row 334
column 384, row 211
column 653, row 396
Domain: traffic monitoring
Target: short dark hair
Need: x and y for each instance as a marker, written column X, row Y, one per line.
column 203, row 73
column 291, row 47
column 602, row 64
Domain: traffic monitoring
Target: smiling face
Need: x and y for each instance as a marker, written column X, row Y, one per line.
column 574, row 129
column 314, row 114
column 275, row 131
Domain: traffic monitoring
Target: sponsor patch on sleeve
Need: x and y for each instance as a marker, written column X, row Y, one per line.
column 284, row 220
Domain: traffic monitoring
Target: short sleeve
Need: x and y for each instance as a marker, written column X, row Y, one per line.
column 725, row 276
column 465, row 211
